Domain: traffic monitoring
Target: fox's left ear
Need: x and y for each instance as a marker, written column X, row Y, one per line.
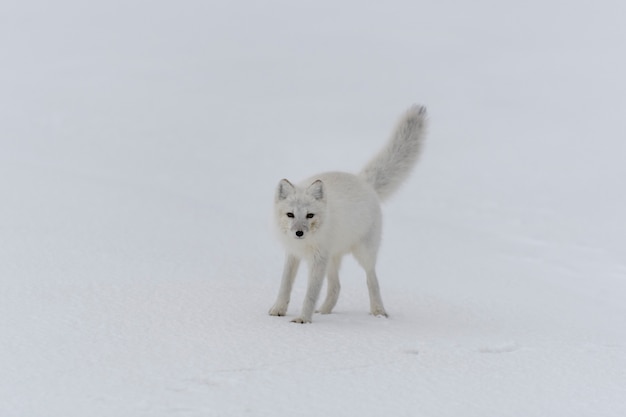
column 316, row 190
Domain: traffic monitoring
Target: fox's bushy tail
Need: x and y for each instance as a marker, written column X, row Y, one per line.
column 393, row 164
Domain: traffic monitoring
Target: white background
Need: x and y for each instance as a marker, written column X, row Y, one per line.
column 140, row 146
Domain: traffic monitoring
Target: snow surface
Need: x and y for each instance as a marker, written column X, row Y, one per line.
column 140, row 144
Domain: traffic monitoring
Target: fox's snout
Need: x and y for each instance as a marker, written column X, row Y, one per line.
column 299, row 231
column 299, row 228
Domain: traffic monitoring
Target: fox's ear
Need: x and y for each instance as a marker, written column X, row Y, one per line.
column 284, row 190
column 316, row 190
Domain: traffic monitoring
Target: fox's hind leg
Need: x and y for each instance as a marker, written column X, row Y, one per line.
column 333, row 288
column 365, row 253
column 376, row 302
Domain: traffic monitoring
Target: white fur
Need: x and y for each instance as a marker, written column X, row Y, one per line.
column 335, row 213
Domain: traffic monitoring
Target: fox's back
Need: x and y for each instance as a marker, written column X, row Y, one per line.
column 353, row 211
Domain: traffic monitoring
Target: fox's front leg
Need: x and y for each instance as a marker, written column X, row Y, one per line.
column 317, row 271
column 289, row 274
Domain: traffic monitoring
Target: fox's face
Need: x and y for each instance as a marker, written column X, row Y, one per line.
column 299, row 212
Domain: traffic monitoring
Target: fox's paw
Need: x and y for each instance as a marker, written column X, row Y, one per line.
column 379, row 312
column 278, row 310
column 301, row 320
column 324, row 310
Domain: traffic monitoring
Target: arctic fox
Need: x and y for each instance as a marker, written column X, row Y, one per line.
column 335, row 213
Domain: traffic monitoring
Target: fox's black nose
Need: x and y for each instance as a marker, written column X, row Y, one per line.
column 299, row 233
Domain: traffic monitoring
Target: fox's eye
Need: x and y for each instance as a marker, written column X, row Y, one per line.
column 289, row 214
column 310, row 215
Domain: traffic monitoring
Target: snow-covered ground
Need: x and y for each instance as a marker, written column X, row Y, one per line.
column 140, row 145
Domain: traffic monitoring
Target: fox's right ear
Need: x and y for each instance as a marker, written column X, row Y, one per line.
column 284, row 190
